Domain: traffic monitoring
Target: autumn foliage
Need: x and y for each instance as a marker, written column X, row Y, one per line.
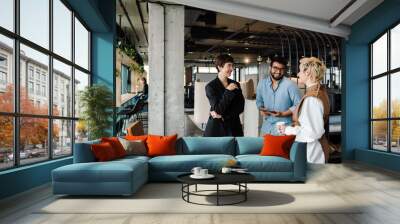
column 33, row 130
column 380, row 127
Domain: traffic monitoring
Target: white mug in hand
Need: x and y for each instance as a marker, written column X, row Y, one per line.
column 280, row 127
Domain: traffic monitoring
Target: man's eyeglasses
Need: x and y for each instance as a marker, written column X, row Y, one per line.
column 278, row 69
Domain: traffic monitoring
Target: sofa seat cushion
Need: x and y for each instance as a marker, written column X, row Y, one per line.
column 185, row 163
column 257, row 163
column 112, row 171
column 133, row 158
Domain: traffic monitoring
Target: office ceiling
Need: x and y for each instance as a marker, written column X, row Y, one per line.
column 209, row 33
column 251, row 30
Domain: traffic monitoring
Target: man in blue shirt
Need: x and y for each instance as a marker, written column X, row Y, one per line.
column 277, row 97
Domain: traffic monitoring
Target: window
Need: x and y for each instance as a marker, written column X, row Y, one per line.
column 30, row 72
column 125, row 79
column 7, row 141
column 7, row 14
column 81, row 81
column 62, row 29
column 3, row 61
column 3, row 73
column 62, row 140
column 54, row 126
column 6, row 73
column 385, row 97
column 30, row 87
column 38, row 89
column 44, row 91
column 207, row 70
column 35, row 21
column 62, row 74
column 37, row 74
column 81, row 45
column 3, row 78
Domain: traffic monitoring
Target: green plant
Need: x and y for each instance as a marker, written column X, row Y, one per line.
column 137, row 68
column 96, row 103
column 131, row 52
column 117, row 73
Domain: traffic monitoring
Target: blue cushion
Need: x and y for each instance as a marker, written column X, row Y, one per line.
column 257, row 163
column 207, row 145
column 249, row 145
column 83, row 152
column 185, row 163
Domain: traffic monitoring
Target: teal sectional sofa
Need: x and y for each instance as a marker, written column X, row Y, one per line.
column 125, row 176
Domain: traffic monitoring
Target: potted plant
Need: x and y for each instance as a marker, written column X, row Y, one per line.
column 97, row 104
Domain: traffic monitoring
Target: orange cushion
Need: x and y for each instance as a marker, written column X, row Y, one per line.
column 103, row 151
column 277, row 145
column 116, row 145
column 136, row 137
column 161, row 145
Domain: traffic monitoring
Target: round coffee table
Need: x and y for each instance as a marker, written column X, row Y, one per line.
column 238, row 179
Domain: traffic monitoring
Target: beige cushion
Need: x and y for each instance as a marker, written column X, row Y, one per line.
column 133, row 147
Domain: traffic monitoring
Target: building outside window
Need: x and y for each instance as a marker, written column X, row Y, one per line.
column 35, row 53
column 30, row 87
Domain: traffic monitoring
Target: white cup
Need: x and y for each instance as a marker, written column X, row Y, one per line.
column 203, row 172
column 196, row 171
column 278, row 125
column 226, row 170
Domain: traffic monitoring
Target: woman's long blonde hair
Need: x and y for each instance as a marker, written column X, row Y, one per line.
column 316, row 67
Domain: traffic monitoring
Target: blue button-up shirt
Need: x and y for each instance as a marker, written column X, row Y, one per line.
column 285, row 96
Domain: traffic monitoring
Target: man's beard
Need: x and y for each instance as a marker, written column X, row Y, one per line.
column 276, row 79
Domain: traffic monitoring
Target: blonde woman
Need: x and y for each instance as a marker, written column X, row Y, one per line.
column 311, row 115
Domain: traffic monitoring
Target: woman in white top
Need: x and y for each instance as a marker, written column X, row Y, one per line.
column 312, row 113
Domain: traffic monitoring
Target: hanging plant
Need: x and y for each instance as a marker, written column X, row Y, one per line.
column 135, row 67
column 131, row 52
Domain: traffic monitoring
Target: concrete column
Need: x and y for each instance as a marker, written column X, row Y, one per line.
column 174, row 70
column 166, row 69
column 156, row 69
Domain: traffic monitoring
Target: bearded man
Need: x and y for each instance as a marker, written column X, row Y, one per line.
column 277, row 97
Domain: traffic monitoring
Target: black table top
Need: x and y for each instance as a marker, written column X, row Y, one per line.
column 220, row 178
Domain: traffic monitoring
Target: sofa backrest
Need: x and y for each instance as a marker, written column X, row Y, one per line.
column 83, row 152
column 206, row 145
column 249, row 145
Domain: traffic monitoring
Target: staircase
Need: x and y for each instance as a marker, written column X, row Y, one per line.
column 130, row 111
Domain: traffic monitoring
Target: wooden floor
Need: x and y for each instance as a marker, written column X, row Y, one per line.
column 378, row 189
